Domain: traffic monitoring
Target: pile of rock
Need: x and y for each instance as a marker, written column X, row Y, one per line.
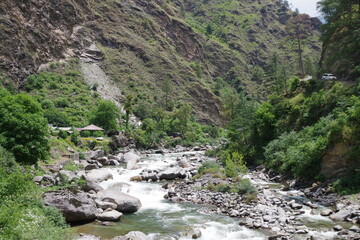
column 91, row 201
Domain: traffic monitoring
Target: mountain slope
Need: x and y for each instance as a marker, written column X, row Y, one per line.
column 140, row 44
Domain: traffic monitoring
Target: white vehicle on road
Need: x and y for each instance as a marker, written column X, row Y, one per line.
column 328, row 76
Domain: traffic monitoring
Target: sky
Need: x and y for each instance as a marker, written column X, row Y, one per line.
column 305, row 6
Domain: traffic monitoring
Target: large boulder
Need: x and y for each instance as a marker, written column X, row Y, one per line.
column 131, row 156
column 99, row 175
column 341, row 215
column 97, row 154
column 76, row 206
column 134, row 235
column 172, row 174
column 125, row 203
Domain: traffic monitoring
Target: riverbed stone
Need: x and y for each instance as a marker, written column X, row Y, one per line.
column 130, row 156
column 99, row 175
column 340, row 215
column 105, row 205
column 134, row 235
column 76, row 206
column 355, row 229
column 337, row 228
column 111, row 215
column 97, row 154
column 193, row 233
column 125, row 203
column 91, row 185
column 326, row 212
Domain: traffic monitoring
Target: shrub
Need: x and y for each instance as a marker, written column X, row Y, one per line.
column 244, row 186
column 209, row 165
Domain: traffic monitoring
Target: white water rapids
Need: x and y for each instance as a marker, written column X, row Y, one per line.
column 162, row 219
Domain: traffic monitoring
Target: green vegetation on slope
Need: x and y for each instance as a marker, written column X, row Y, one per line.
column 23, row 216
column 63, row 94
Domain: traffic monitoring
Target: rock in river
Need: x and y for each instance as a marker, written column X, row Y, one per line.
column 98, row 175
column 76, row 206
column 125, row 203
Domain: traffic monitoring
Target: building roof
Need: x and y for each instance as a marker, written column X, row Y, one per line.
column 91, row 128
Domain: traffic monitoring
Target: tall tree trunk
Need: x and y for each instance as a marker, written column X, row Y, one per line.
column 300, row 58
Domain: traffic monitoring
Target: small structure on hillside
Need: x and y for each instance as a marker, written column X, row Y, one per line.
column 90, row 128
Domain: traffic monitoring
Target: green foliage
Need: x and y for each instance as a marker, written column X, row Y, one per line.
column 63, row 134
column 340, row 35
column 75, row 137
column 348, row 184
column 234, row 164
column 23, row 215
column 128, row 107
column 23, row 128
column 244, row 186
column 105, row 115
column 209, row 165
column 64, row 95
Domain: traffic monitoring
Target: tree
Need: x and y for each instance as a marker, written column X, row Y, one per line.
column 128, row 106
column 167, row 88
column 299, row 28
column 341, row 36
column 183, row 115
column 105, row 115
column 23, row 128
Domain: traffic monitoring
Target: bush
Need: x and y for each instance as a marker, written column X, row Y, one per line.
column 349, row 184
column 244, row 186
column 206, row 166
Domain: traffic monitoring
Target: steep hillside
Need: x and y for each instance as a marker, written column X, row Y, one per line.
column 141, row 44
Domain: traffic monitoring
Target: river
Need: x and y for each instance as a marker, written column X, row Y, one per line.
column 162, row 219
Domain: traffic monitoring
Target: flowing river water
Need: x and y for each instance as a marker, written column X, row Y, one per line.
column 162, row 219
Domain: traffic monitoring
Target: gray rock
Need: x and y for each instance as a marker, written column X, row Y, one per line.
column 355, row 229
column 97, row 154
column 125, row 203
column 90, row 185
column 112, row 215
column 132, row 164
column 338, row 228
column 326, row 212
column 193, row 233
column 99, row 175
column 131, row 156
column 75, row 206
column 172, row 174
column 91, row 167
column 295, row 206
column 48, row 180
column 134, row 235
column 103, row 160
column 340, row 215
column 105, row 205
column 37, row 179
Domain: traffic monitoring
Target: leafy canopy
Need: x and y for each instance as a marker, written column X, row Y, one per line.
column 23, row 128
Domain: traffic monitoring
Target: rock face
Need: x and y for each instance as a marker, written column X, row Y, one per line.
column 75, row 206
column 125, row 203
